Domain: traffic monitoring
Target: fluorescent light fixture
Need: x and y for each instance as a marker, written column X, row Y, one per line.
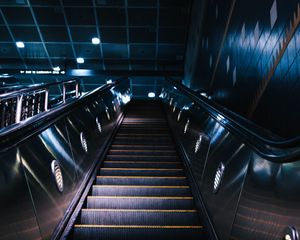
column 95, row 40
column 20, row 44
column 57, row 68
column 80, row 60
column 109, row 81
column 151, row 94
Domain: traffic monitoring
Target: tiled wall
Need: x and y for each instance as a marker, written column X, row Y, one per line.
column 249, row 59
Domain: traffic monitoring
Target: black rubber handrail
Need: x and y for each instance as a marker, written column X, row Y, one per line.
column 273, row 148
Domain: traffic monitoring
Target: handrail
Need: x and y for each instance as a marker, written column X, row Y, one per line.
column 17, row 133
column 9, row 95
column 273, row 148
column 30, row 96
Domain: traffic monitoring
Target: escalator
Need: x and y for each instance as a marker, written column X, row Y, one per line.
column 141, row 190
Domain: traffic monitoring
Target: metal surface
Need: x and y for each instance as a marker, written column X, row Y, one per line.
column 258, row 198
column 17, row 220
column 31, row 205
column 23, row 103
column 263, row 142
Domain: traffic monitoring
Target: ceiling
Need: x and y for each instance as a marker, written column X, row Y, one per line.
column 136, row 35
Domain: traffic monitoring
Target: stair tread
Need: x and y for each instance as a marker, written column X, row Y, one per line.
column 135, row 226
column 141, row 189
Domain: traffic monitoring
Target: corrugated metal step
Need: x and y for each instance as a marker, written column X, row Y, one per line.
column 140, row 190
column 127, row 180
column 152, row 152
column 142, row 140
column 137, row 232
column 141, row 172
column 140, row 164
column 139, row 217
column 130, row 202
column 143, row 146
column 156, row 158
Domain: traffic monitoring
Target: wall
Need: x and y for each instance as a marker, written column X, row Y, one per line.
column 248, row 59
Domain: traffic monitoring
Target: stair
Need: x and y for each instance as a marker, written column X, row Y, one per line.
column 141, row 191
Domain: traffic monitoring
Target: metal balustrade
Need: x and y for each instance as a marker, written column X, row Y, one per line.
column 18, row 105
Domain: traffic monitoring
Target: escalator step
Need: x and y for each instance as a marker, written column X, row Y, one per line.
column 140, row 164
column 141, row 172
column 127, row 180
column 139, row 217
column 142, row 152
column 140, row 190
column 122, row 202
column 143, row 140
column 142, row 147
column 113, row 232
column 128, row 157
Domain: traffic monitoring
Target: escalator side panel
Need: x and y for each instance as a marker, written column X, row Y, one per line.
column 17, row 219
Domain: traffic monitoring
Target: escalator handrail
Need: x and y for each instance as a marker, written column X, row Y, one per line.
column 17, row 133
column 274, row 148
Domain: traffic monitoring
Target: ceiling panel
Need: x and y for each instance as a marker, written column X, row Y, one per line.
column 142, row 17
column 113, row 35
column 172, row 17
column 78, row 2
column 139, row 3
column 115, row 51
column 171, row 52
column 60, row 50
column 134, row 34
column 171, row 35
column 55, row 34
column 87, row 50
column 111, row 16
column 33, row 50
column 45, row 2
column 49, row 15
column 8, row 50
column 110, row 3
column 143, row 51
column 80, row 16
column 83, row 34
column 25, row 34
column 4, row 34
column 18, row 15
column 142, row 35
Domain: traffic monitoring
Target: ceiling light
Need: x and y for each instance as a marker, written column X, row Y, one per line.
column 80, row 60
column 151, row 94
column 95, row 40
column 20, row 44
column 109, row 81
column 56, row 68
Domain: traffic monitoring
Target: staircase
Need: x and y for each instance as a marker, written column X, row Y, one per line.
column 141, row 191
